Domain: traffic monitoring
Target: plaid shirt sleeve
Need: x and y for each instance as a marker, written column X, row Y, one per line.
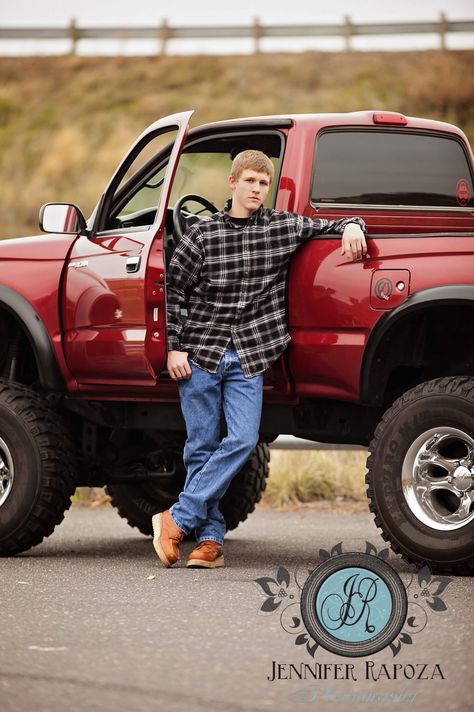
column 182, row 275
column 307, row 228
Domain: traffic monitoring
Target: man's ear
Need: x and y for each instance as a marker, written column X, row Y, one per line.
column 232, row 182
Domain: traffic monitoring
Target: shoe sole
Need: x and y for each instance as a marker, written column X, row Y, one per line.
column 156, row 524
column 203, row 564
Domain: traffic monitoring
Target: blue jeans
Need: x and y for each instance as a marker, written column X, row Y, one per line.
column 210, row 462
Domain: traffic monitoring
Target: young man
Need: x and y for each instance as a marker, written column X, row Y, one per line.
column 229, row 272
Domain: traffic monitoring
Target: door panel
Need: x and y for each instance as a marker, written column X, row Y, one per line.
column 114, row 302
column 104, row 311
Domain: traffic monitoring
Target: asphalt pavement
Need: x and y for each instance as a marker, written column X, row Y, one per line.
column 91, row 621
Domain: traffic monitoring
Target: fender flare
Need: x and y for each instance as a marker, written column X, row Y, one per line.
column 434, row 296
column 38, row 336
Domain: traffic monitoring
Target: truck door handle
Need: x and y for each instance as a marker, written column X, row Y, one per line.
column 133, row 263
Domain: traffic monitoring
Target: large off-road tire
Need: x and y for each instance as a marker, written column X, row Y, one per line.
column 138, row 502
column 421, row 475
column 37, row 468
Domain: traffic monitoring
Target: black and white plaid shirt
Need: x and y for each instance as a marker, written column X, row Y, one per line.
column 231, row 279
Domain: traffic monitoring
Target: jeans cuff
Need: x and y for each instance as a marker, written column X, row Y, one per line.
column 210, row 538
column 183, row 529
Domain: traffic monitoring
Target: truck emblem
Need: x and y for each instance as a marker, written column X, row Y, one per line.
column 82, row 263
column 383, row 289
column 462, row 192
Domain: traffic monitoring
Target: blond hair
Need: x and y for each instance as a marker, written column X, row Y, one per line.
column 254, row 161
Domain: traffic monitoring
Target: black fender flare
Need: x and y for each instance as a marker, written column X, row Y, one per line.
column 433, row 296
column 38, row 336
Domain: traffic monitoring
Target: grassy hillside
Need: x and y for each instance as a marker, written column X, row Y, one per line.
column 66, row 121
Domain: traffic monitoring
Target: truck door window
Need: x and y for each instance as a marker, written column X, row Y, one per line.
column 138, row 194
column 395, row 168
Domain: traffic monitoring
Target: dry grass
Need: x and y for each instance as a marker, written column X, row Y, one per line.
column 90, row 497
column 66, row 121
column 303, row 477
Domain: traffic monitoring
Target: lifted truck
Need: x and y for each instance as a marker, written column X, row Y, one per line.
column 382, row 350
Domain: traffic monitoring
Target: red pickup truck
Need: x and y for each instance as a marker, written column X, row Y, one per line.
column 382, row 350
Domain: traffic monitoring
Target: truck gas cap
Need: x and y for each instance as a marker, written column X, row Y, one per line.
column 389, row 288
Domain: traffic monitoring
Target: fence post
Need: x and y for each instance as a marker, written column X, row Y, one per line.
column 164, row 35
column 73, row 35
column 443, row 28
column 257, row 34
column 348, row 32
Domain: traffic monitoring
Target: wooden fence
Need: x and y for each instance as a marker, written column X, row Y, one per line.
column 255, row 32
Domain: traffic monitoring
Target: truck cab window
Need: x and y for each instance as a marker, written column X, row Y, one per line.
column 396, row 168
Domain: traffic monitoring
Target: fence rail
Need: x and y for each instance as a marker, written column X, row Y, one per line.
column 164, row 32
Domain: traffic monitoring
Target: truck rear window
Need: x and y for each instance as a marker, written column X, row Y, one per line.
column 379, row 167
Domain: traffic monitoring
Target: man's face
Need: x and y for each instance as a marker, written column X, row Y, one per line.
column 249, row 191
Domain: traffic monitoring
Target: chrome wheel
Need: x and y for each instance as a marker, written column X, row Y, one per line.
column 438, row 478
column 6, row 472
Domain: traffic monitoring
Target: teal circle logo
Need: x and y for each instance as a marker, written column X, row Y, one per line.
column 344, row 604
column 354, row 604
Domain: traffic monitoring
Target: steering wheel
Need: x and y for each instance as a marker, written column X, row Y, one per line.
column 180, row 215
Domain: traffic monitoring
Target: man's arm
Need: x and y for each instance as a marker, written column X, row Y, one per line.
column 352, row 230
column 182, row 275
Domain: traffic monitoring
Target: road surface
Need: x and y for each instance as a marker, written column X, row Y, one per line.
column 90, row 621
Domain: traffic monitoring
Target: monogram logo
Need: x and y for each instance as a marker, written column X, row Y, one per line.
column 354, row 604
column 348, row 610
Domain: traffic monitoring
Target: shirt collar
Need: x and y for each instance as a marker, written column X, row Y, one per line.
column 256, row 215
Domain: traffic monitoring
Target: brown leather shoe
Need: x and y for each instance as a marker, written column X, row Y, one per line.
column 166, row 538
column 207, row 555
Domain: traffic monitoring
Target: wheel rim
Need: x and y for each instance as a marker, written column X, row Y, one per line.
column 438, row 478
column 7, row 472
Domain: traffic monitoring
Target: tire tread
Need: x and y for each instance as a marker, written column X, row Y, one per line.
column 57, row 478
column 462, row 386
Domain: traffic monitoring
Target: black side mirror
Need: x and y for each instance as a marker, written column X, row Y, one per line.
column 64, row 218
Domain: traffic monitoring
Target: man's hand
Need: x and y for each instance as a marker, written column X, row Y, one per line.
column 354, row 246
column 177, row 365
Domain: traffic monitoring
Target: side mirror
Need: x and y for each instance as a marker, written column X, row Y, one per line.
column 61, row 217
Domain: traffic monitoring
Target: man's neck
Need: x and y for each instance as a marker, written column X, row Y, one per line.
column 240, row 213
